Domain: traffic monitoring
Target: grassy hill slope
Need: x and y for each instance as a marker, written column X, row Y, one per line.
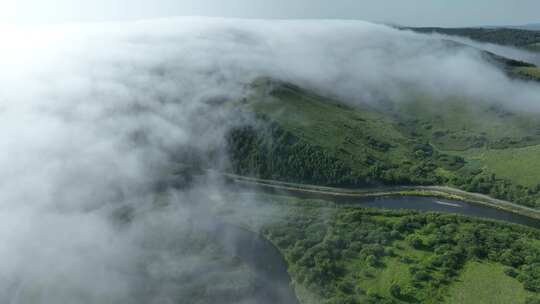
column 306, row 138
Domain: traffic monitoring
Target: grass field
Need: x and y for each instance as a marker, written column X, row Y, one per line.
column 459, row 124
column 521, row 165
column 530, row 72
column 325, row 122
column 486, row 283
column 393, row 271
column 450, row 124
column 379, row 280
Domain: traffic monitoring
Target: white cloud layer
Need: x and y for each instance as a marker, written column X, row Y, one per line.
column 90, row 116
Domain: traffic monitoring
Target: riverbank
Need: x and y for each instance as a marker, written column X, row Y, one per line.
column 426, row 191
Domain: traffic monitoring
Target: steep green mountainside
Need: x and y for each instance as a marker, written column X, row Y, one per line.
column 306, row 138
column 504, row 36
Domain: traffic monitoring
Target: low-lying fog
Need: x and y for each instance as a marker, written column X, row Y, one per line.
column 92, row 116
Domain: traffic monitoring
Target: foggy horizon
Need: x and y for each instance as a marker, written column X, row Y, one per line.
column 411, row 13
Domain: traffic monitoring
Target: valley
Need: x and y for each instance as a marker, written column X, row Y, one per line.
column 220, row 160
column 331, row 161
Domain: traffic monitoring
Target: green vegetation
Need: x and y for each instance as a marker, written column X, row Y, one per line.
column 521, row 165
column 460, row 124
column 348, row 255
column 309, row 139
column 306, row 138
column 505, row 36
column 487, row 283
column 532, row 73
column 340, row 254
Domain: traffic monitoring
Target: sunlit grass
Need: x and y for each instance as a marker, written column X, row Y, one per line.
column 520, row 165
column 486, row 283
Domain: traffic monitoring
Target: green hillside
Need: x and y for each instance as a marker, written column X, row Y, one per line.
column 306, row 138
column 458, row 124
column 309, row 138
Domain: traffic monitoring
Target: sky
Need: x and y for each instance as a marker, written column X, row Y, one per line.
column 411, row 12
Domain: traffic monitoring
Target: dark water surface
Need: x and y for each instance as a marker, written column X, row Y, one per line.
column 444, row 206
column 418, row 203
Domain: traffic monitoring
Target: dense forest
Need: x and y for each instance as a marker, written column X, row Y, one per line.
column 273, row 153
column 349, row 255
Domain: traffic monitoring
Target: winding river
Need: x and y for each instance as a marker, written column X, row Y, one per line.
column 418, row 203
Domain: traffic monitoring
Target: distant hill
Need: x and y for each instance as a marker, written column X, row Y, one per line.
column 504, row 36
column 530, row 27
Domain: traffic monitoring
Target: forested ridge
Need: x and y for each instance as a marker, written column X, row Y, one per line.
column 326, row 143
column 505, row 36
